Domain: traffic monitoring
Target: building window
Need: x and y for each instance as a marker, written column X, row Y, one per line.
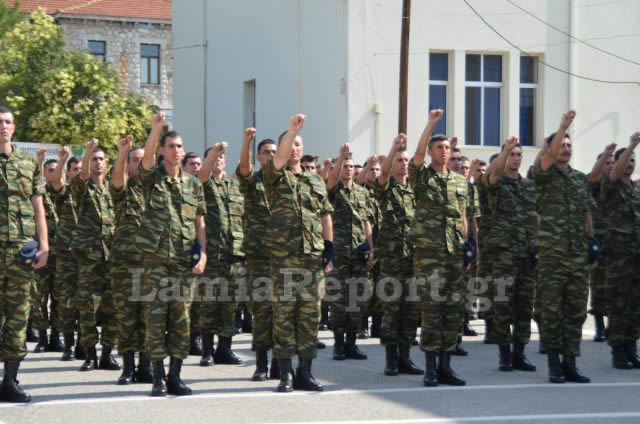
column 483, row 100
column 98, row 49
column 438, row 80
column 149, row 64
column 528, row 99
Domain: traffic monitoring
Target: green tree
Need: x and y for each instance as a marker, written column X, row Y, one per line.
column 62, row 96
column 10, row 16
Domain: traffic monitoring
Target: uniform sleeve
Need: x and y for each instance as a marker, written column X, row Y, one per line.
column 202, row 207
column 244, row 182
column 474, row 203
column 78, row 188
column 541, row 177
column 118, row 194
column 380, row 192
column 325, row 206
column 272, row 175
column 370, row 211
column 415, row 173
column 38, row 186
column 146, row 175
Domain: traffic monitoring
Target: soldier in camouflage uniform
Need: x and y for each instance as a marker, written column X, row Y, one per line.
column 66, row 265
column 512, row 202
column 438, row 233
column 225, row 208
column 351, row 217
column 92, row 240
column 300, row 220
column 400, row 316
column 172, row 220
column 22, row 218
column 257, row 215
column 126, row 261
column 622, row 200
column 564, row 204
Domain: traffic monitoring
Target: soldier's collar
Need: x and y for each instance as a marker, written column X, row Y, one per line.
column 162, row 170
column 14, row 149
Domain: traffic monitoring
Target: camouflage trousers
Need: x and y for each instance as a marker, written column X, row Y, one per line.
column 484, row 283
column 66, row 290
column 46, row 282
column 219, row 291
column 15, row 302
column 298, row 287
column 441, row 300
column 624, row 283
column 599, row 287
column 94, row 292
column 194, row 317
column 259, row 276
column 514, row 291
column 400, row 315
column 348, row 291
column 126, row 281
column 565, row 292
column 373, row 305
column 166, row 293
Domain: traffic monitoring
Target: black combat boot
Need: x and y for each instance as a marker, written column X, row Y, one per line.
column 107, row 361
column 555, row 370
column 459, row 350
column 80, row 352
column 42, row 342
column 247, row 322
column 175, row 386
column 376, row 324
column 541, row 349
column 446, row 375
column 224, row 354
column 238, row 321
column 128, row 368
column 207, row 349
column 159, row 387
column 195, row 348
column 55, row 345
column 488, row 332
column 467, row 330
column 364, row 329
column 599, row 321
column 143, row 373
column 431, row 370
column 520, row 361
column 67, row 354
column 619, row 358
column 324, row 317
column 32, row 337
column 91, row 362
column 303, row 379
column 338, row 347
column 320, row 345
column 262, row 364
column 10, row 390
column 351, row 351
column 631, row 351
column 505, row 358
column 286, row 375
column 391, row 359
column 571, row 371
column 405, row 364
column 274, row 372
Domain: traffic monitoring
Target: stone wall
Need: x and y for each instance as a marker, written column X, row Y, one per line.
column 123, row 41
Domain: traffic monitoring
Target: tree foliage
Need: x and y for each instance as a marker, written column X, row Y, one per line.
column 10, row 16
column 64, row 96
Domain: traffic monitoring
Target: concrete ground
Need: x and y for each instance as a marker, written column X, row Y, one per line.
column 355, row 392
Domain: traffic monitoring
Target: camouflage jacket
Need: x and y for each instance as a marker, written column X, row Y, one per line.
column 20, row 180
column 376, row 214
column 351, row 208
column 128, row 203
column 225, row 209
column 512, row 205
column 562, row 199
column 68, row 218
column 398, row 206
column 599, row 212
column 298, row 203
column 623, row 215
column 256, row 214
column 51, row 216
column 96, row 222
column 442, row 200
column 168, row 229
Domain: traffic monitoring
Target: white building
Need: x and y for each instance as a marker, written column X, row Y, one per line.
column 259, row 62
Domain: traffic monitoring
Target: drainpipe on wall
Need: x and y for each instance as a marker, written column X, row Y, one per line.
column 205, row 48
column 572, row 62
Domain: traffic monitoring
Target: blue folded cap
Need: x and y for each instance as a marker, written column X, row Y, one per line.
column 29, row 251
column 196, row 252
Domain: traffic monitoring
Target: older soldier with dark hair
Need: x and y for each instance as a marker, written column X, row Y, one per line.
column 172, row 222
column 564, row 204
column 22, row 218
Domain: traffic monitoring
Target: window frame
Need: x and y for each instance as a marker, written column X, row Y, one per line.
column 536, row 95
column 487, row 84
column 441, row 83
column 98, row 56
column 148, row 59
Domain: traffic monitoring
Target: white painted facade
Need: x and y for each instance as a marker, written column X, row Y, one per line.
column 337, row 61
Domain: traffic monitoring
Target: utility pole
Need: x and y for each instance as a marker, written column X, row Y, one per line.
column 404, row 66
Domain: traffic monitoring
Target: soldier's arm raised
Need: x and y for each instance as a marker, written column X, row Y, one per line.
column 210, row 161
column 497, row 171
column 244, row 169
column 334, row 175
column 119, row 174
column 385, row 170
column 421, row 151
column 149, row 158
column 284, row 148
column 550, row 155
column 621, row 163
column 57, row 181
column 89, row 149
column 361, row 179
column 598, row 167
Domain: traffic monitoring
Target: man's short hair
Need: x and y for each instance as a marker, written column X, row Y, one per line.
column 166, row 135
column 438, row 137
column 49, row 161
column 264, row 143
column 482, row 163
column 72, row 161
column 4, row 109
column 550, row 138
column 455, row 150
column 464, row 159
column 357, row 166
column 308, row 158
column 493, row 157
column 517, row 145
column 619, row 153
column 189, row 155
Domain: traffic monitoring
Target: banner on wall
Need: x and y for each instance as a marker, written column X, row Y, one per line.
column 52, row 149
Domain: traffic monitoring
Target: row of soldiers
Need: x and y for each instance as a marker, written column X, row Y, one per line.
column 399, row 227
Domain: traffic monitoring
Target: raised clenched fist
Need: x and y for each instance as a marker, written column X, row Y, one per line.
column 91, row 145
column 436, row 115
column 609, row 150
column 40, row 155
column 511, row 143
column 568, row 118
column 64, row 153
column 158, row 120
column 125, row 144
column 400, row 142
column 297, row 123
column 635, row 139
column 249, row 134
